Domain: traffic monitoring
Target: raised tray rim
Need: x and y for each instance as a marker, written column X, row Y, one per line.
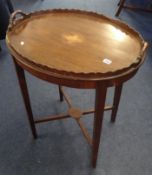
column 91, row 75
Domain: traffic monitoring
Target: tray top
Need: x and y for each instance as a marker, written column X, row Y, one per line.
column 76, row 42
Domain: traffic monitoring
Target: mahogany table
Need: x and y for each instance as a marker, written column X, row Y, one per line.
column 76, row 49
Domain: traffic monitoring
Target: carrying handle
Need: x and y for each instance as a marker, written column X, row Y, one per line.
column 144, row 48
column 14, row 15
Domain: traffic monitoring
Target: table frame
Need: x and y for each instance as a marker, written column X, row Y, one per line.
column 100, row 97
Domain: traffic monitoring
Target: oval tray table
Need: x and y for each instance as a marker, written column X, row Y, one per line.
column 76, row 49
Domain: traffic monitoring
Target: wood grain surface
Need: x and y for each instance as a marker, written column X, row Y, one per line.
column 76, row 42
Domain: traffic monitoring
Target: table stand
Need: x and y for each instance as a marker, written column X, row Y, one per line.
column 73, row 112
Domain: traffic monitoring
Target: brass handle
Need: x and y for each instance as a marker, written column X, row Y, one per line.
column 144, row 48
column 14, row 15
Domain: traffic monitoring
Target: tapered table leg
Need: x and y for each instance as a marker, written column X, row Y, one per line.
column 60, row 93
column 117, row 95
column 25, row 95
column 100, row 98
column 121, row 4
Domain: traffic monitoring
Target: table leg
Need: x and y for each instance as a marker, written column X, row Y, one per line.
column 117, row 95
column 25, row 95
column 121, row 4
column 60, row 93
column 98, row 118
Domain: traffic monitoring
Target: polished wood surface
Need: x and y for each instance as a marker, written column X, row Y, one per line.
column 75, row 42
